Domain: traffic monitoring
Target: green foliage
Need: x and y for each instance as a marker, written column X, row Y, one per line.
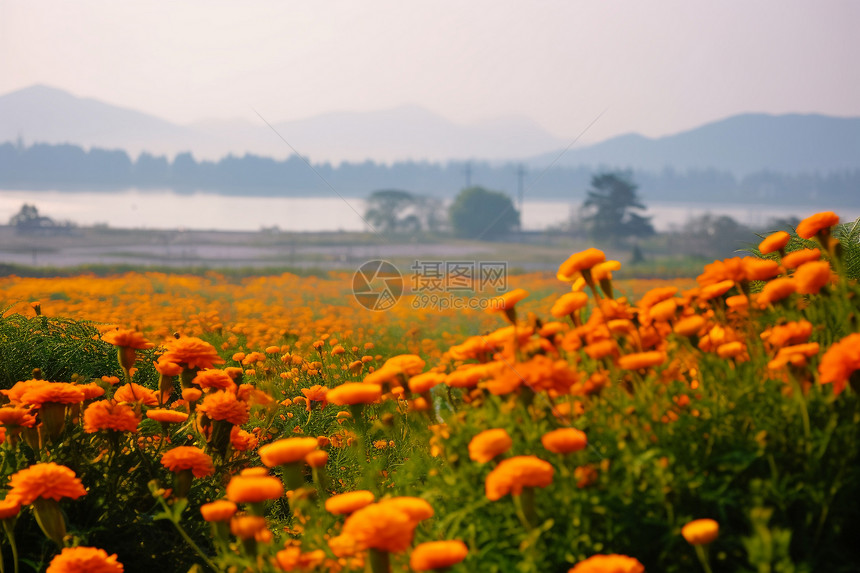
column 478, row 213
column 393, row 210
column 61, row 348
column 847, row 250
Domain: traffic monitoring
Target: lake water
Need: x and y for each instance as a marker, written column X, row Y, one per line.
column 168, row 210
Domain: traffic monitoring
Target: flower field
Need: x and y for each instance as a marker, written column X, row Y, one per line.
column 199, row 423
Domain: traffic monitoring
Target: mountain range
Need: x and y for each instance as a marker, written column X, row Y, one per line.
column 741, row 144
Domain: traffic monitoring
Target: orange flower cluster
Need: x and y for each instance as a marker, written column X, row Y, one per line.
column 188, row 458
column 609, row 563
column 84, row 560
column 191, row 352
column 44, row 480
column 387, row 526
column 489, row 444
column 224, row 405
column 513, row 474
column 110, row 415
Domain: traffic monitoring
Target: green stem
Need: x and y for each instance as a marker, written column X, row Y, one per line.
column 380, row 561
column 187, row 538
column 702, row 554
column 804, row 413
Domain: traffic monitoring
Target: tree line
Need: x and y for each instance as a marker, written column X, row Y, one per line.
column 71, row 167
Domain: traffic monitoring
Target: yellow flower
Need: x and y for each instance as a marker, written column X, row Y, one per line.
column 701, row 531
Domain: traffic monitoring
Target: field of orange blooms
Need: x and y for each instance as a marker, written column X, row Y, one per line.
column 272, row 424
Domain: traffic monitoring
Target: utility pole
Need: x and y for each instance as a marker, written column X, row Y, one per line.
column 521, row 173
column 468, row 172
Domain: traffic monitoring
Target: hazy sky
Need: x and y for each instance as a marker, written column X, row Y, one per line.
column 658, row 66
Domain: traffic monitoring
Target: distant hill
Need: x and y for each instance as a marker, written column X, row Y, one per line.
column 42, row 114
column 742, row 144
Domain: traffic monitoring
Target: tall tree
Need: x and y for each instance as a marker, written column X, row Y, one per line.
column 388, row 211
column 478, row 213
column 611, row 205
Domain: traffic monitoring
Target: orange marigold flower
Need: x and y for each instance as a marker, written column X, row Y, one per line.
column 793, row 332
column 84, row 560
column 91, row 391
column 810, row 226
column 719, row 271
column 110, row 415
column 54, row 392
column 731, row 349
column 774, row 242
column 578, row 262
column 292, row 559
column 840, row 361
column 9, row 507
column 214, row 378
column 247, row 526
column 714, row 290
column 513, row 474
column 316, row 393
column 15, row 417
column 384, row 527
column 317, row 458
column 656, row 295
column 641, row 360
column 191, row 352
column 219, row 510
column 663, row 310
column 408, row 364
column 564, row 440
column 507, row 301
column 701, row 531
column 689, row 326
column 489, row 444
column 437, row 555
column 354, row 393
column 287, row 450
column 604, row 270
column 811, row 276
column 796, row 258
column 612, row 563
column 601, row 349
column 796, row 355
column 348, row 502
column 776, row 290
column 223, row 405
column 738, row 302
column 415, row 507
column 242, row 441
column 166, row 416
column 757, row 269
column 191, row 394
column 127, row 339
column 136, row 393
column 167, row 368
column 188, row 458
column 424, row 382
column 254, row 488
column 568, row 303
column 47, row 480
column 466, row 376
column 17, row 391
